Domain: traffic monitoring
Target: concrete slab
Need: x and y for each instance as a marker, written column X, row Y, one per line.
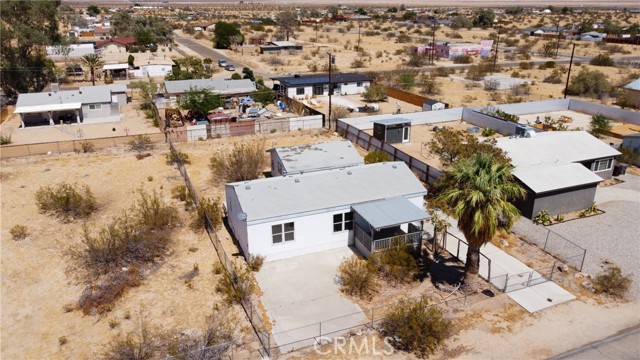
column 541, row 296
column 303, row 299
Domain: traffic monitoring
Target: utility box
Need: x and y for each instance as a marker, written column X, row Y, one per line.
column 392, row 131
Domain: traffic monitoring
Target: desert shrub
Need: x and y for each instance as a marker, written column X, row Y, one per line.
column 87, row 147
column 488, row 131
column 547, row 65
column 398, row 264
column 141, row 143
column 142, row 345
column 491, row 85
column 67, row 201
column 376, row 157
column 142, row 155
column 602, row 60
column 463, row 59
column 216, row 338
column 406, row 79
column 339, row 112
column 542, row 218
column 403, row 38
column 357, row 63
column 613, row 282
column 477, row 72
column 236, row 287
column 181, row 193
column 244, row 162
column 589, row 83
column 255, row 262
column 274, row 60
column 415, row 326
column 375, row 92
column 19, row 232
column 99, row 298
column 628, row 155
column 5, row 139
column 357, row 278
column 526, row 65
column 442, row 71
column 599, row 126
column 554, row 78
column 207, row 209
column 520, row 89
column 62, row 340
column 176, row 156
column 429, row 85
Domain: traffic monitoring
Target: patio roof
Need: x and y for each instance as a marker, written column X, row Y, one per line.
column 48, row 107
column 390, row 212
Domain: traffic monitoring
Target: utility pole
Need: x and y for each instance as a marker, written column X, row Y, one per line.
column 332, row 60
column 495, row 57
column 433, row 44
column 558, row 38
column 566, row 87
column 359, row 21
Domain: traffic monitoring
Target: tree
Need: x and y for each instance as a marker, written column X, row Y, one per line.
column 147, row 90
column 149, row 29
column 248, row 74
column 409, row 15
column 223, row 34
column 93, row 10
column 589, row 83
column 287, row 21
column 236, row 76
column 602, row 60
column 484, row 18
column 26, row 28
column 586, row 25
column 430, row 85
column 451, row 145
column 375, row 92
column 478, row 190
column 548, row 48
column 92, row 62
column 459, row 22
column 189, row 67
column 376, row 157
column 199, row 101
column 130, row 60
column 406, row 79
column 599, row 125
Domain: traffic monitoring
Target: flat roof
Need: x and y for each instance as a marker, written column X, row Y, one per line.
column 220, row 86
column 390, row 212
column 321, row 79
column 393, row 121
column 284, row 43
column 634, row 85
column 115, row 67
column 316, row 192
column 554, row 147
column 66, row 99
column 545, row 178
column 320, row 156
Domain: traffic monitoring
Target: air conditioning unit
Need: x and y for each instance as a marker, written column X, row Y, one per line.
column 525, row 131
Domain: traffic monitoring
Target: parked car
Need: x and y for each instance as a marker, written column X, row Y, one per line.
column 222, row 63
column 230, row 67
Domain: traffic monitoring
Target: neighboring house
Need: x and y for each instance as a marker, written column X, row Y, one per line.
column 102, row 32
column 203, row 26
column 301, row 86
column 314, row 157
column 363, row 206
column 632, row 141
column 74, row 51
column 159, row 67
column 560, row 169
column 633, row 92
column 227, row 88
column 115, row 44
column 430, row 105
column 279, row 47
column 592, row 36
column 450, row 50
column 89, row 104
column 116, row 71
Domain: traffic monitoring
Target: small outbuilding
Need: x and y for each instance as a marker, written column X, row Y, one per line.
column 314, row 157
column 392, row 131
column 431, row 105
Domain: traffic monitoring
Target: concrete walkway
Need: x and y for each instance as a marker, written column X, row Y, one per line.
column 509, row 274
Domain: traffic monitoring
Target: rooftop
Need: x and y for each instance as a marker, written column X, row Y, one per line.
column 66, row 99
column 313, row 157
column 220, row 86
column 321, row 79
column 315, row 192
column 551, row 177
column 283, row 43
column 393, row 121
column 634, row 85
column 390, row 212
column 555, row 147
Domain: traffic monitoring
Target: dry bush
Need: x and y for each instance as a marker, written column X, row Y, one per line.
column 415, row 326
column 142, row 155
column 357, row 278
column 237, row 287
column 87, row 147
column 255, row 262
column 141, row 143
column 244, row 162
column 339, row 112
column 67, row 201
column 212, row 210
column 376, row 156
column 397, row 265
column 99, row 298
column 142, row 345
column 612, row 282
column 19, row 232
column 182, row 193
column 176, row 156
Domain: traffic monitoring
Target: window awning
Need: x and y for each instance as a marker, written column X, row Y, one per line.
column 47, row 107
column 390, row 212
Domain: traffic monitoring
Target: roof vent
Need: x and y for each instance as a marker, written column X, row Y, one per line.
column 394, row 166
column 49, row 94
column 248, row 187
column 55, row 87
column 349, row 172
column 297, row 180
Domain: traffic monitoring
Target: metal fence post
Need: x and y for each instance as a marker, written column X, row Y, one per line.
column 320, row 332
column 372, row 318
column 458, row 251
column 553, row 267
column 584, row 255
column 545, row 240
column 506, row 282
column 489, row 271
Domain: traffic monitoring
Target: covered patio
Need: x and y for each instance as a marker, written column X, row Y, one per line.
column 385, row 223
column 49, row 114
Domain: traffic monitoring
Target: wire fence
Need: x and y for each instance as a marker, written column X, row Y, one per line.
column 251, row 310
column 551, row 242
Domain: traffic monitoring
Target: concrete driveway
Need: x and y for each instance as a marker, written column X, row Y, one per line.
column 303, row 300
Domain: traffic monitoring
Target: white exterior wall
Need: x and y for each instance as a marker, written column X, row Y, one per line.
column 292, row 93
column 196, row 132
column 156, row 70
column 352, row 88
column 312, row 233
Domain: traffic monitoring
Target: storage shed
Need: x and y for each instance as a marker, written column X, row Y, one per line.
column 392, row 131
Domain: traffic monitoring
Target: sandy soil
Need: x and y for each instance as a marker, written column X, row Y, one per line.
column 35, row 286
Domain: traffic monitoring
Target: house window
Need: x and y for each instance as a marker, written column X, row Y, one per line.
column 282, row 232
column 300, row 91
column 95, row 106
column 343, row 222
column 602, row 165
column 359, row 84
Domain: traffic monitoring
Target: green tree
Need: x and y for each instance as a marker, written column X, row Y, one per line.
column 376, row 157
column 459, row 22
column 92, row 62
column 589, row 83
column 130, row 60
column 586, row 25
column 429, row 85
column 147, row 90
column 264, row 96
column 236, row 76
column 146, row 29
column 451, row 145
column 223, row 34
column 189, row 67
column 200, row 101
column 93, row 10
column 484, row 18
column 287, row 21
column 478, row 190
column 375, row 92
column 144, row 37
column 406, row 79
column 248, row 74
column 409, row 15
column 599, row 126
column 26, row 27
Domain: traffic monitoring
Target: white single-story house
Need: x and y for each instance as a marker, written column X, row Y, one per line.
column 115, row 44
column 559, row 169
column 592, row 36
column 73, row 51
column 632, row 141
column 157, row 68
column 278, row 47
column 203, row 26
column 241, row 87
column 314, row 157
column 87, row 105
column 364, row 206
column 301, row 86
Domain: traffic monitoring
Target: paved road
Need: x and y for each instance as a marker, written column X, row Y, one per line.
column 621, row 346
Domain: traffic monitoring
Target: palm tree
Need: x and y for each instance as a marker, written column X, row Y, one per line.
column 478, row 190
column 93, row 62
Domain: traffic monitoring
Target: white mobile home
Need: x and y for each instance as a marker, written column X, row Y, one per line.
column 314, row 157
column 365, row 206
column 306, row 86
